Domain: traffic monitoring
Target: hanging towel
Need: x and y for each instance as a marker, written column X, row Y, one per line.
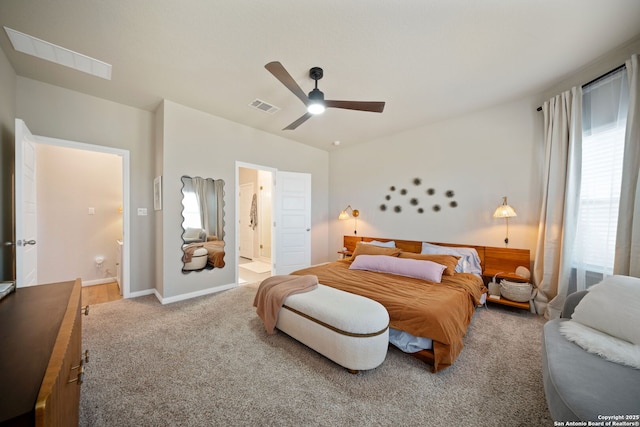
column 253, row 215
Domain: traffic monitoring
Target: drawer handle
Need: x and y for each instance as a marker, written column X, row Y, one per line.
column 85, row 310
column 80, row 378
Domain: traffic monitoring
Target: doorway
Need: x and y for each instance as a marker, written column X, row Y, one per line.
column 112, row 261
column 255, row 223
column 79, row 205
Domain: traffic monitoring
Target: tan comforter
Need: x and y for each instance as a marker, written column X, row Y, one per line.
column 440, row 311
column 215, row 252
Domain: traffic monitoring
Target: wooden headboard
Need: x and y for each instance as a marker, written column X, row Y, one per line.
column 493, row 260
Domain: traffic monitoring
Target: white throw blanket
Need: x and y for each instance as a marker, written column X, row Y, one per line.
column 604, row 345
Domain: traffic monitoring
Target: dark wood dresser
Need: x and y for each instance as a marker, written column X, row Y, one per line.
column 41, row 360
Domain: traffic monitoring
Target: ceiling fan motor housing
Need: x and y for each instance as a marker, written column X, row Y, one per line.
column 316, row 95
column 316, row 73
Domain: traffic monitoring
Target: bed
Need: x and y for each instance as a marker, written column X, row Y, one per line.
column 432, row 316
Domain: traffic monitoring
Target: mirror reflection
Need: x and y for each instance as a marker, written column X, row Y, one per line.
column 203, row 223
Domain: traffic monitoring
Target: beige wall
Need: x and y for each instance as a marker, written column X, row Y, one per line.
column 480, row 157
column 68, row 183
column 191, row 143
column 7, row 136
column 199, row 144
column 593, row 70
column 61, row 113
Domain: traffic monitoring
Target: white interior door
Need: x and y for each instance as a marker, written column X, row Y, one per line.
column 293, row 221
column 26, row 207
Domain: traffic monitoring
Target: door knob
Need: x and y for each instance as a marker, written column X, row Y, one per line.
column 20, row 243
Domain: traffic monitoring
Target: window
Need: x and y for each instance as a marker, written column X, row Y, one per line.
column 604, row 118
column 191, row 211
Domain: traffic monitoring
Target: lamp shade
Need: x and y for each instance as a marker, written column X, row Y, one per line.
column 504, row 210
column 345, row 215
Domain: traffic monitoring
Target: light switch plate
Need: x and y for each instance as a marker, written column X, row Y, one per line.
column 142, row 211
column 92, row 211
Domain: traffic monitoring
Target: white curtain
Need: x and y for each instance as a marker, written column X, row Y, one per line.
column 627, row 253
column 200, row 190
column 556, row 229
column 604, row 117
column 219, row 208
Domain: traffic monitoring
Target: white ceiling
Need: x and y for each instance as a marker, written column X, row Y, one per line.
column 427, row 59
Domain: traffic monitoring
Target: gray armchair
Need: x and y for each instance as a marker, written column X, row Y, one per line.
column 581, row 386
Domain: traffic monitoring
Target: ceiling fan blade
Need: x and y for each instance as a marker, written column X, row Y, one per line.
column 280, row 73
column 374, row 107
column 298, row 122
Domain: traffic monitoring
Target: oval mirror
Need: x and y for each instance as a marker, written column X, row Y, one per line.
column 202, row 224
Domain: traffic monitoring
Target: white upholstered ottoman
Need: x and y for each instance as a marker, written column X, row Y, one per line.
column 349, row 329
column 198, row 260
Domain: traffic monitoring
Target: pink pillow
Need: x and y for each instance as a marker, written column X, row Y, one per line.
column 426, row 270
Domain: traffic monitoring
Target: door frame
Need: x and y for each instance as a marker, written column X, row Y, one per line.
column 273, row 172
column 126, row 184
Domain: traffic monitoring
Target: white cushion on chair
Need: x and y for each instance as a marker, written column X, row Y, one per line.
column 611, row 307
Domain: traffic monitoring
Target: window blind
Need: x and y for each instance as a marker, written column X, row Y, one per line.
column 605, row 105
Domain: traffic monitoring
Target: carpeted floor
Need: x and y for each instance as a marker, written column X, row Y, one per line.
column 208, row 362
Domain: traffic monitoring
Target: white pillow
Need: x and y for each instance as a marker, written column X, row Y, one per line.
column 611, row 307
column 419, row 269
column 389, row 244
column 469, row 261
column 191, row 235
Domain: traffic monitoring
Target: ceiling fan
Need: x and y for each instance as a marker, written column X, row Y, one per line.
column 315, row 101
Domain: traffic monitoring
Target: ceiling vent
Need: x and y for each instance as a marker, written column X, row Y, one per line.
column 263, row 106
column 50, row 52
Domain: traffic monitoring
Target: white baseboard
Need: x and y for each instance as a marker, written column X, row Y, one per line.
column 141, row 293
column 98, row 281
column 196, row 294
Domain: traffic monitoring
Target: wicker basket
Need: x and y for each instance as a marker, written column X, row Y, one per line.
column 514, row 291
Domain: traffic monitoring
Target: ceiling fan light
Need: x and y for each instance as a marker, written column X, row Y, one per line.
column 315, row 108
column 316, row 102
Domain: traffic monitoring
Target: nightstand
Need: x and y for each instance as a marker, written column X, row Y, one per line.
column 502, row 300
column 345, row 254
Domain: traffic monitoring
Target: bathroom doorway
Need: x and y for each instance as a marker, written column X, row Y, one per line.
column 80, row 214
column 255, row 223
